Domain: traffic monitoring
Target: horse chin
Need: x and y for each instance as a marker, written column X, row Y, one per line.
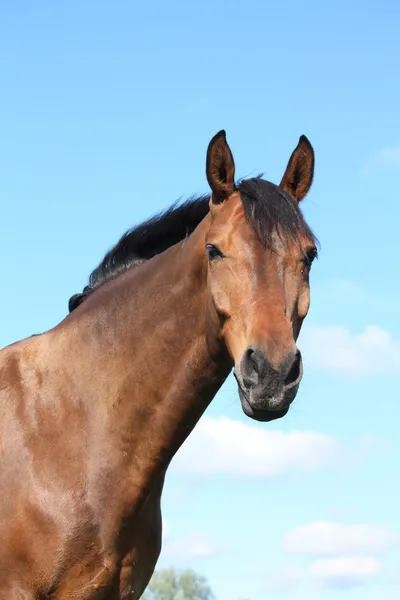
column 262, row 414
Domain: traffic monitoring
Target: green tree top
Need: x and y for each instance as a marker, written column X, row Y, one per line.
column 170, row 584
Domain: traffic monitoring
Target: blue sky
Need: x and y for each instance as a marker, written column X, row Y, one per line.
column 106, row 113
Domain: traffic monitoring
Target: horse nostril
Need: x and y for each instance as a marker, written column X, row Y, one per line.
column 294, row 369
column 249, row 353
column 254, row 366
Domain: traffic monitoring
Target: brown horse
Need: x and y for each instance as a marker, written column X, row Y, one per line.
column 92, row 411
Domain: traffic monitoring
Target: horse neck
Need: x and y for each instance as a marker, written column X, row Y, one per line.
column 150, row 350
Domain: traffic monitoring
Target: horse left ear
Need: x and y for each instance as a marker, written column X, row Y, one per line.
column 220, row 168
column 299, row 173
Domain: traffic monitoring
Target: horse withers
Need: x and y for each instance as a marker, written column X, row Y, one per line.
column 93, row 411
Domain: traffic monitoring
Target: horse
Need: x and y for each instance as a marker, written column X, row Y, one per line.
column 93, row 410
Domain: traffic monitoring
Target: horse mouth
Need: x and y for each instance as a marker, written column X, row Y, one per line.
column 261, row 414
column 268, row 409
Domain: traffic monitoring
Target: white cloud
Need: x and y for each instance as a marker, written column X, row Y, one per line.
column 389, row 157
column 324, row 538
column 166, row 530
column 335, row 289
column 222, row 446
column 344, row 572
column 193, row 545
column 373, row 351
column 286, row 579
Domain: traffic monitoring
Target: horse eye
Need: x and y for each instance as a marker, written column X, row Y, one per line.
column 309, row 257
column 213, row 252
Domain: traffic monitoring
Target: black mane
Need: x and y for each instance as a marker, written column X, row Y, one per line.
column 266, row 206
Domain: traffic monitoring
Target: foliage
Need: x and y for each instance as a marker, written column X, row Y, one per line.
column 170, row 584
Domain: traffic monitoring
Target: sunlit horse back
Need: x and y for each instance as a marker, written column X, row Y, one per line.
column 92, row 412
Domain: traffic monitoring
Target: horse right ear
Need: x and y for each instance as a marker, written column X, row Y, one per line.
column 220, row 168
column 299, row 173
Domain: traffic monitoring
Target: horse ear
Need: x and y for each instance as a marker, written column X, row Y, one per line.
column 299, row 173
column 220, row 168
